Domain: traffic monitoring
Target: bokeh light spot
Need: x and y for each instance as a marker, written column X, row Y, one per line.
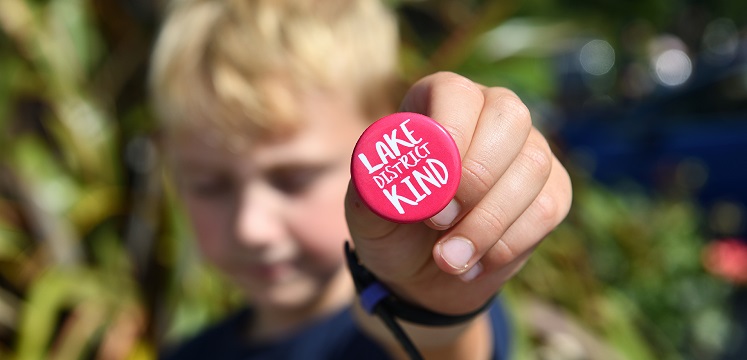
column 597, row 57
column 672, row 67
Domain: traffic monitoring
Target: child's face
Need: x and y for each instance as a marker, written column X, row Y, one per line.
column 271, row 216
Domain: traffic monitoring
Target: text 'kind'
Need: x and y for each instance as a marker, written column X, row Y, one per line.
column 402, row 157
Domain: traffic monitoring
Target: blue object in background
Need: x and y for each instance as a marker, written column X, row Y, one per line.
column 691, row 138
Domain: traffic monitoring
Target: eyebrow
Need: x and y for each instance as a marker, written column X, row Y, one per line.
column 197, row 166
column 198, row 161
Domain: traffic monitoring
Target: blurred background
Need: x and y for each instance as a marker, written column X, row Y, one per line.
column 644, row 101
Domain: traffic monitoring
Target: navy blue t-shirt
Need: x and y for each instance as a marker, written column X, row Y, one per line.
column 333, row 338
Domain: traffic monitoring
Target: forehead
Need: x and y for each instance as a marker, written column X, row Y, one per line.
column 329, row 123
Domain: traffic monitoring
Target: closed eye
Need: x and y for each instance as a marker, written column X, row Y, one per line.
column 297, row 179
column 208, row 187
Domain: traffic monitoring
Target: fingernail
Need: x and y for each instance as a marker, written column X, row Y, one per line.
column 457, row 252
column 446, row 216
column 472, row 273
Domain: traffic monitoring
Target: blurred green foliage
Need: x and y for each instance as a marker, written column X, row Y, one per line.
column 96, row 259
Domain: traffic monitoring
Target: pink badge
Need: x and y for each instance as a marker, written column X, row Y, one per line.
column 406, row 167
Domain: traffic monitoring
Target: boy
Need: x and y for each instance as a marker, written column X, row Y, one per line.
column 262, row 102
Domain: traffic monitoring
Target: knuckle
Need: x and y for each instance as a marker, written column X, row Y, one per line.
column 492, row 221
column 502, row 253
column 495, row 94
column 454, row 81
column 511, row 105
column 510, row 110
column 546, row 210
column 537, row 158
column 477, row 175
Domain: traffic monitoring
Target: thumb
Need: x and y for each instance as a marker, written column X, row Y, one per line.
column 392, row 251
column 363, row 223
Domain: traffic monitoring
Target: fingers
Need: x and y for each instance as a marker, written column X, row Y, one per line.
column 489, row 126
column 513, row 190
column 506, row 253
column 547, row 210
column 497, row 209
column 509, row 254
column 501, row 131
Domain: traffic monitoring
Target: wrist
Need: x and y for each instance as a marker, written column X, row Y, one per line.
column 422, row 326
column 468, row 340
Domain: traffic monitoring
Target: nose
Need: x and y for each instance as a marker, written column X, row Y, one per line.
column 258, row 219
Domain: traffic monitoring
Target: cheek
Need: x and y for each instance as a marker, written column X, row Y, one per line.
column 324, row 221
column 205, row 221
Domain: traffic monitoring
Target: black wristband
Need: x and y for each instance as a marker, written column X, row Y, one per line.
column 373, row 294
column 377, row 299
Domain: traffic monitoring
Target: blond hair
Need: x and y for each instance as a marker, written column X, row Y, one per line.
column 218, row 62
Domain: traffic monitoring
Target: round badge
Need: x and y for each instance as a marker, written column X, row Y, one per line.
column 406, row 167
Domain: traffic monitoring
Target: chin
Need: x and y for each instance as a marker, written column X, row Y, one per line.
column 286, row 297
column 299, row 292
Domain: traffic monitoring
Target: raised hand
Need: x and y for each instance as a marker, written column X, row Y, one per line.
column 513, row 192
